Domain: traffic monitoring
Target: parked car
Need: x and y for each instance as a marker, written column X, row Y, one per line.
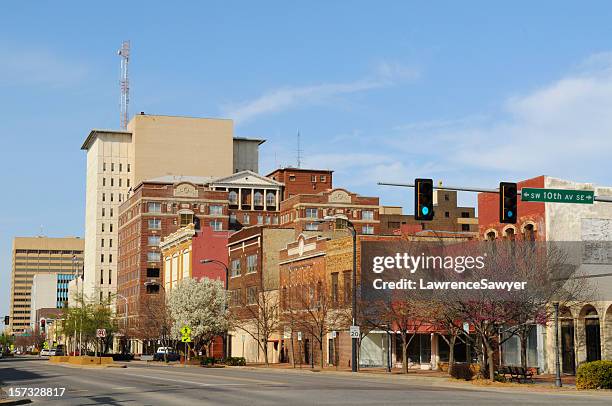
column 44, row 352
column 171, row 355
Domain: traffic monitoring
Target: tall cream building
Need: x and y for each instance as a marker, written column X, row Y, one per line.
column 60, row 258
column 152, row 146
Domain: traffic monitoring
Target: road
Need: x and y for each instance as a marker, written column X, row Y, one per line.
column 159, row 385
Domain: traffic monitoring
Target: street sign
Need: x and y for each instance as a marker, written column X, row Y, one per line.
column 287, row 334
column 529, row 194
column 299, row 336
column 466, row 327
column 46, row 345
column 354, row 331
column 186, row 334
column 101, row 333
column 334, row 334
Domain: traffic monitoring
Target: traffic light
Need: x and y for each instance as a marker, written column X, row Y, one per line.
column 42, row 324
column 507, row 202
column 423, row 199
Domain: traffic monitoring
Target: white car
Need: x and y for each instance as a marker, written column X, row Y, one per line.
column 44, row 353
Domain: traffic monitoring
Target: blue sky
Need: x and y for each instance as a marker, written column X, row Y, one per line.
column 467, row 93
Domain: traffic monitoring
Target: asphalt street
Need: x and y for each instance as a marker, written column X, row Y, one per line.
column 158, row 385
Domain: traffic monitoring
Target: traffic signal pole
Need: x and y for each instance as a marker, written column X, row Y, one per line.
column 605, row 199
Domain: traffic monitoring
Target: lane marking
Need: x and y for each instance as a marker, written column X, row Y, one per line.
column 184, row 381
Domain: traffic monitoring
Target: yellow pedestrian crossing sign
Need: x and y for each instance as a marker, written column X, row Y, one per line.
column 46, row 345
column 186, row 334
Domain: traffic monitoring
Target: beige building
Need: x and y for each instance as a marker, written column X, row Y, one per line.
column 152, row 146
column 39, row 255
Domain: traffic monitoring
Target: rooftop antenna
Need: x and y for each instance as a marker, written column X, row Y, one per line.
column 299, row 151
column 124, row 82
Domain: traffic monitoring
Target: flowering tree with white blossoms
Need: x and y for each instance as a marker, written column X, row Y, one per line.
column 201, row 305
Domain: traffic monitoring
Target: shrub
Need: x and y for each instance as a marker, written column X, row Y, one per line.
column 594, row 375
column 462, row 371
column 235, row 361
column 208, row 361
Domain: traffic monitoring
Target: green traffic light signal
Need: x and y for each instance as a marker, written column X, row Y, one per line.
column 508, row 201
column 423, row 199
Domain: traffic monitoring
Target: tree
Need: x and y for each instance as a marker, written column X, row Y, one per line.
column 201, row 305
column 155, row 321
column 258, row 316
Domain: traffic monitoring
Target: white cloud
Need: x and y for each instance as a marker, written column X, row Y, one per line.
column 288, row 97
column 35, row 67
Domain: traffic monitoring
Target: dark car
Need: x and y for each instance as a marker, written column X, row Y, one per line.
column 169, row 352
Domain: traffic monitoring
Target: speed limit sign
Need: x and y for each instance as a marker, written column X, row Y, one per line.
column 101, row 333
column 354, row 330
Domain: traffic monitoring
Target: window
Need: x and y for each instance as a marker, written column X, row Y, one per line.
column 312, row 213
column 313, row 178
column 252, row 295
column 103, row 181
column 128, row 169
column 334, row 288
column 152, row 288
column 246, row 219
column 111, row 227
column 119, row 184
column 154, row 240
column 104, row 166
column 323, row 178
column 154, row 224
column 270, row 199
column 102, row 243
column 120, row 168
column 465, row 214
column 186, row 218
column 111, row 212
column 110, row 278
column 103, row 197
column 216, row 225
column 154, row 207
column 367, row 215
column 102, row 227
column 258, row 199
column 268, row 220
column 128, row 182
column 101, row 276
column 232, row 219
column 446, row 197
column 112, row 167
column 235, row 297
column 465, row 227
column 216, row 210
column 275, row 220
column 235, row 271
column 110, row 242
column 346, row 279
column 446, row 214
column 112, row 197
column 110, row 258
column 233, row 197
column 292, row 178
column 252, row 263
column 152, row 272
column 311, row 227
column 103, row 211
column 367, row 229
column 112, row 181
column 153, row 256
column 101, row 257
column 259, row 219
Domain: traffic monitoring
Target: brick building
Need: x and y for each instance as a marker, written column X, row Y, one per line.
column 302, row 181
column 304, row 212
column 156, row 209
column 253, row 263
column 585, row 328
column 448, row 216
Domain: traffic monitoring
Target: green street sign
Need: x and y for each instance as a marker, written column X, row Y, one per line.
column 529, row 194
column 186, row 334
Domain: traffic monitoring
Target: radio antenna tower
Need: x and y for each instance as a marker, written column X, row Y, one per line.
column 299, row 151
column 124, row 82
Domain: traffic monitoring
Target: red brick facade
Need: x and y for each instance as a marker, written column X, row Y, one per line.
column 302, row 181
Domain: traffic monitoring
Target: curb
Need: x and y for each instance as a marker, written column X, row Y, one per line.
column 15, row 402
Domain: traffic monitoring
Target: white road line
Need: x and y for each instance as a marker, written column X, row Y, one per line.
column 124, row 388
column 178, row 382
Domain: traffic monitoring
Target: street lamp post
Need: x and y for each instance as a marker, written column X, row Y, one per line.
column 351, row 227
column 558, row 382
column 215, row 261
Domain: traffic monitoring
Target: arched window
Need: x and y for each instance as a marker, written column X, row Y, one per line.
column 258, row 200
column 233, row 197
column 270, row 199
column 529, row 232
column 490, row 235
column 509, row 233
column 592, row 333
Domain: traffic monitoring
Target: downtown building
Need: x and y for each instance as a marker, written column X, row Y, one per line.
column 585, row 332
column 52, row 262
column 152, row 146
